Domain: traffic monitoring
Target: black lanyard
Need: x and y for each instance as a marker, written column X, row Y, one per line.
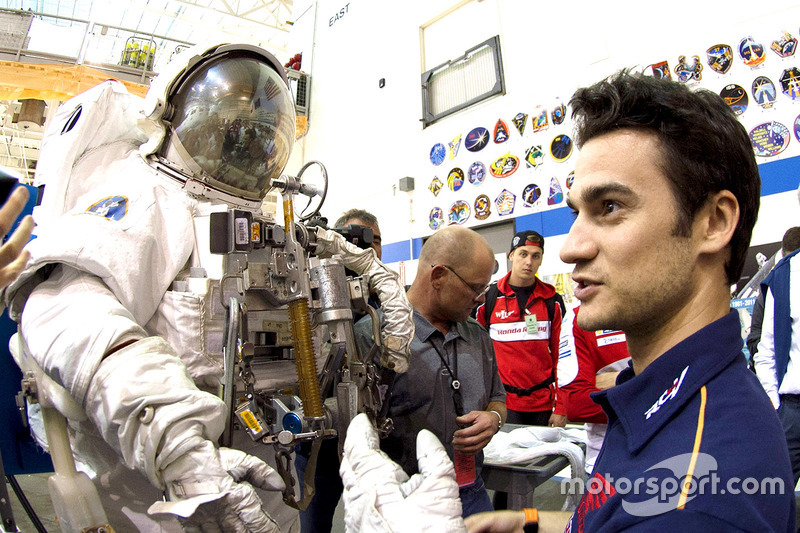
column 455, row 384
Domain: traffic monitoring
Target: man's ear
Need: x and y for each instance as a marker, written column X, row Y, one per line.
column 716, row 222
column 438, row 273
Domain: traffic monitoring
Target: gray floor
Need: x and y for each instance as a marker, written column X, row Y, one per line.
column 546, row 497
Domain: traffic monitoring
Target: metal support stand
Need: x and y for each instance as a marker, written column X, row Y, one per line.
column 9, row 525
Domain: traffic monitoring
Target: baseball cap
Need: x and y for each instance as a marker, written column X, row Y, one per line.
column 526, row 238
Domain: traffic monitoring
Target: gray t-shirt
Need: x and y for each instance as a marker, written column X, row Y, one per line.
column 422, row 398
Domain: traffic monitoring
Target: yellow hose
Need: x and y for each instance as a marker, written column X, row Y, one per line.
column 301, row 338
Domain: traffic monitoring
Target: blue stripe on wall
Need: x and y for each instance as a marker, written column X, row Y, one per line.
column 779, row 176
column 776, row 177
column 395, row 251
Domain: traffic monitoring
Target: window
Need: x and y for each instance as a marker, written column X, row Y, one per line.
column 462, row 82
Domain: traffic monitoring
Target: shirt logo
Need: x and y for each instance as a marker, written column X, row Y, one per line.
column 518, row 331
column 667, row 395
column 503, row 314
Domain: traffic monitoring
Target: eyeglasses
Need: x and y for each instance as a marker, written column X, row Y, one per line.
column 478, row 289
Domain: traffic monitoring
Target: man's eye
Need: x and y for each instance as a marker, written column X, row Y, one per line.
column 609, row 206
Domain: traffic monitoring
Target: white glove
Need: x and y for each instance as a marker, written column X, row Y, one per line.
column 212, row 490
column 380, row 497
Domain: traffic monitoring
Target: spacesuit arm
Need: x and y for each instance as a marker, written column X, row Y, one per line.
column 70, row 323
column 398, row 323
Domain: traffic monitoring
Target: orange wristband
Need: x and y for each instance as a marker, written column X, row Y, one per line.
column 531, row 516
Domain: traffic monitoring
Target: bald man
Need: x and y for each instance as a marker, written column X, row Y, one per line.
column 452, row 387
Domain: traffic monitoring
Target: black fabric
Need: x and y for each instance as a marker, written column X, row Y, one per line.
column 530, row 390
column 523, row 294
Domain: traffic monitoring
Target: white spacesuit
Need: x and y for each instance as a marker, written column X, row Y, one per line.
column 120, row 304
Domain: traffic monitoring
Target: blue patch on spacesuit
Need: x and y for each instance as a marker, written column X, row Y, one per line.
column 113, row 207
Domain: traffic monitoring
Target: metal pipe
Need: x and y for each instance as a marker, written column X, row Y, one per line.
column 301, row 337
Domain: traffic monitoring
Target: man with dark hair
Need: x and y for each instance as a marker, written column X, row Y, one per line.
column 523, row 317
column 665, row 197
column 362, row 218
column 318, row 516
column 777, row 355
column 790, row 243
column 791, row 240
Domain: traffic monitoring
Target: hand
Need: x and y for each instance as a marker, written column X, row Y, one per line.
column 557, row 421
column 380, row 497
column 514, row 521
column 481, row 427
column 606, row 380
column 12, row 256
column 496, row 522
column 211, row 489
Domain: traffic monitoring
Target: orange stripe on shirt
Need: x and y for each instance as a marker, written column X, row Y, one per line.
column 696, row 450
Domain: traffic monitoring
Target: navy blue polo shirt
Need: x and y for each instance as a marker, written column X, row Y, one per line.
column 693, row 442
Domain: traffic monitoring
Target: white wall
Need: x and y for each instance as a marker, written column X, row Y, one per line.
column 370, row 137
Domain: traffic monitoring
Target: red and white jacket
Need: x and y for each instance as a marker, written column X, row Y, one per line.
column 524, row 358
column 584, row 355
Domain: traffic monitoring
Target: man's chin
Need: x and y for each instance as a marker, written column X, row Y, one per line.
column 589, row 321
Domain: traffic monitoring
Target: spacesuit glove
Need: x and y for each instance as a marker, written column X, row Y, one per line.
column 211, row 489
column 380, row 497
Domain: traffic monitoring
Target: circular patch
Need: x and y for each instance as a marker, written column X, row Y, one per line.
column 504, row 166
column 455, row 180
column 459, row 212
column 561, row 148
column 505, row 202
column 476, row 173
column 769, row 139
column 483, row 207
column 736, row 97
column 476, row 139
column 531, row 194
column 764, row 92
column 797, row 128
column 436, row 218
column 438, row 152
column 751, row 52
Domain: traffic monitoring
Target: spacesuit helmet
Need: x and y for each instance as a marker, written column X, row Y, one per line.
column 228, row 118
